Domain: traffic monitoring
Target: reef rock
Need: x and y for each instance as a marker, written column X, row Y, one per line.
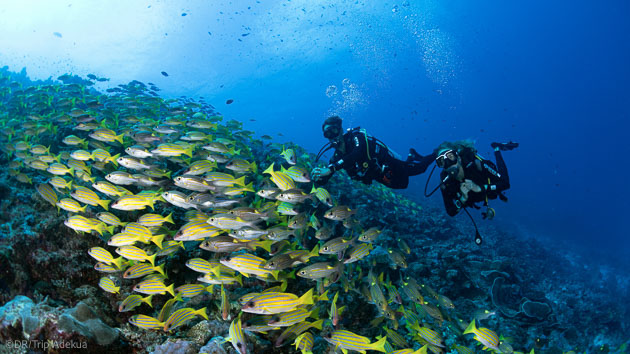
column 82, row 320
column 176, row 347
column 506, row 297
column 23, row 319
column 535, row 309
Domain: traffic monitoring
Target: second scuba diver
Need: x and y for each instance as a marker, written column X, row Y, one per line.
column 467, row 178
column 366, row 158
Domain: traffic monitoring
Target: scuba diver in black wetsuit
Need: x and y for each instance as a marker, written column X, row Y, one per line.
column 468, row 179
column 366, row 158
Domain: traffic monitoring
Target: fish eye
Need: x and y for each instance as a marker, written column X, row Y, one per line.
column 250, row 304
column 302, row 272
column 325, row 248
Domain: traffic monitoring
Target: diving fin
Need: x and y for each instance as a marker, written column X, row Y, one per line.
column 504, row 146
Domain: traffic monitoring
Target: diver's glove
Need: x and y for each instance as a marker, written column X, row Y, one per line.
column 467, row 186
column 413, row 156
column 320, row 172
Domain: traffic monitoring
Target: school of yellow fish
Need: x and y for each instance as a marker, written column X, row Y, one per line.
column 154, row 177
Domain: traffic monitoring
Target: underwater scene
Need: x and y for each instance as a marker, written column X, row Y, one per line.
column 306, row 176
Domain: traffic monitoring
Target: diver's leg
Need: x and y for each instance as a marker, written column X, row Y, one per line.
column 395, row 175
column 502, row 169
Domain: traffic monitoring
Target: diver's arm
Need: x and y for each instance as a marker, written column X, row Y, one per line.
column 357, row 154
column 450, row 190
column 498, row 182
column 425, row 161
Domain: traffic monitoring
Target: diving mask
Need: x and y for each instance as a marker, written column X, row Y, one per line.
column 446, row 159
column 331, row 131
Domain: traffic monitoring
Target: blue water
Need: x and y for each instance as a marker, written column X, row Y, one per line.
column 552, row 76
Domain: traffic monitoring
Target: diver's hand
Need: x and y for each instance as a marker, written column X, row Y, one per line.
column 320, row 172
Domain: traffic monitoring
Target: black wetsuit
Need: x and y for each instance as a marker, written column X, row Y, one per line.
column 493, row 180
column 367, row 159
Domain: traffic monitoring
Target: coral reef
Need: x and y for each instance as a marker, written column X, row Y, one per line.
column 21, row 319
column 546, row 298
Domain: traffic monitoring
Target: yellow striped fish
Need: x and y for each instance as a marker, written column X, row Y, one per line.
column 358, row 252
column 167, row 308
column 289, row 156
column 297, row 173
column 224, row 179
column 182, row 316
column 78, row 165
column 170, row 149
column 71, row 205
column 236, row 336
column 304, row 342
column 81, row 155
column 102, row 255
column 73, row 140
column 146, row 322
column 349, row 341
column 225, row 304
column 170, row 247
column 38, row 165
column 203, row 266
column 248, row 264
column 108, row 285
column 272, row 303
column 88, row 196
column 150, row 220
column 60, row 183
column 152, row 286
column 127, row 239
column 281, row 180
column 141, row 269
column 196, row 230
column 48, row 194
column 290, row 318
column 106, row 135
column 190, row 290
column 296, row 330
column 483, row 335
column 82, row 224
column 133, row 301
column 139, row 230
column 110, row 219
column 109, row 189
column 136, row 254
column 431, row 336
column 132, row 202
column 105, row 268
column 323, row 195
column 200, row 167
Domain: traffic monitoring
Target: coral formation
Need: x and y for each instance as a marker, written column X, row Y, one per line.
column 23, row 319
